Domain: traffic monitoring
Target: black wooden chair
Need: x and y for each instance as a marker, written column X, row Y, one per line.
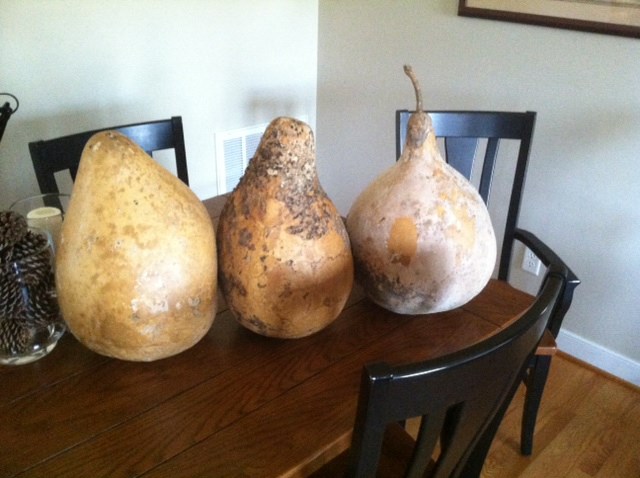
column 461, row 398
column 61, row 154
column 466, row 134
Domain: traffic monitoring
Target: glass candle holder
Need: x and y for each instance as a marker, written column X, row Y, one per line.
column 30, row 320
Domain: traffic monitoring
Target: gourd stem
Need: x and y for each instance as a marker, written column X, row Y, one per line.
column 416, row 86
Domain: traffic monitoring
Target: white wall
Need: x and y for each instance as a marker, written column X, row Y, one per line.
column 77, row 65
column 583, row 186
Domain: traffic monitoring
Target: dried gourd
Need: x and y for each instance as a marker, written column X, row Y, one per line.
column 286, row 268
column 136, row 271
column 421, row 235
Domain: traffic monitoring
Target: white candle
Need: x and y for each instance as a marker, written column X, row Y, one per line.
column 47, row 218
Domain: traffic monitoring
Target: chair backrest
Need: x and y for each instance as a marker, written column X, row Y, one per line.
column 463, row 132
column 461, row 397
column 61, row 154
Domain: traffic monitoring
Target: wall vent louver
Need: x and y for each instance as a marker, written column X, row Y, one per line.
column 234, row 149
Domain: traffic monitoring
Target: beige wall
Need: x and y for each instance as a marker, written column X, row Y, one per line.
column 82, row 64
column 583, row 185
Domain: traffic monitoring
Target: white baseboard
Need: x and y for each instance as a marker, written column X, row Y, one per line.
column 600, row 357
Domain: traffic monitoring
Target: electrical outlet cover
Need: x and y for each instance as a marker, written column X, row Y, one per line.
column 530, row 262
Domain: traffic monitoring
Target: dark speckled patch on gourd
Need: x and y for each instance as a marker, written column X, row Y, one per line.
column 286, row 154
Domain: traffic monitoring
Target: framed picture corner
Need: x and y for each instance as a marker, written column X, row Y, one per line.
column 613, row 17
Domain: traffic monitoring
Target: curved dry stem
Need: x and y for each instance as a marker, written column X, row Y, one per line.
column 416, row 86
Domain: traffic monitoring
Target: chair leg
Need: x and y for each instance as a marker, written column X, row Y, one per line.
column 535, row 382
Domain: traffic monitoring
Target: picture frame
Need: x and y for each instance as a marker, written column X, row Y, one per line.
column 614, row 17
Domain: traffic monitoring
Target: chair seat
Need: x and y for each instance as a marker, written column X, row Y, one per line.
column 547, row 345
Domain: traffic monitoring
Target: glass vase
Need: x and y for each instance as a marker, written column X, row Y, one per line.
column 30, row 320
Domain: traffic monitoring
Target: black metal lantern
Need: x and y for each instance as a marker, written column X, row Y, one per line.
column 6, row 111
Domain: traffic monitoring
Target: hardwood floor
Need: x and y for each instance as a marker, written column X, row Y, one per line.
column 588, row 426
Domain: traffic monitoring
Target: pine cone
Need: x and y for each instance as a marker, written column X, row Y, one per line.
column 5, row 255
column 27, row 298
column 13, row 227
column 33, row 257
column 10, row 294
column 42, row 308
column 15, row 336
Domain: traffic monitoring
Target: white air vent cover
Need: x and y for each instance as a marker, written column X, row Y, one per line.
column 234, row 149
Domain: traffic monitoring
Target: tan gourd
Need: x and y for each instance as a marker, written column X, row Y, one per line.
column 136, row 270
column 286, row 268
column 421, row 235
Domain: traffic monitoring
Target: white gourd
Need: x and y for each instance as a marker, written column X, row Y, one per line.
column 421, row 235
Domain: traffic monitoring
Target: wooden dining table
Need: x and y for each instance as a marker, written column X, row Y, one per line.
column 236, row 404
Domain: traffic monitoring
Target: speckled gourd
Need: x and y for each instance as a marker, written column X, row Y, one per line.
column 136, row 270
column 421, row 235
column 286, row 268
